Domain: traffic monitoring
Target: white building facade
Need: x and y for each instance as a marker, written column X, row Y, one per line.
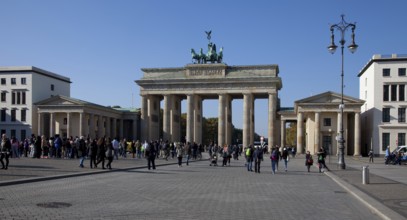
column 383, row 83
column 20, row 88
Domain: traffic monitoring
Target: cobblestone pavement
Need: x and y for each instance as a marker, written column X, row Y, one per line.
column 197, row 191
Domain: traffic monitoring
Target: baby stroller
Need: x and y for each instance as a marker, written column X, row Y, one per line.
column 214, row 160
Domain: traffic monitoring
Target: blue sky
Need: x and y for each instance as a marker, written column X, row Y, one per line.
column 102, row 45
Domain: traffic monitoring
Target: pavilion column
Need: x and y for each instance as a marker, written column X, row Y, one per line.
column 81, row 121
column 221, row 119
column 175, row 116
column 92, row 133
column 167, row 118
column 300, row 132
column 121, row 128
column 40, row 127
column 317, row 130
column 144, row 119
column 228, row 120
column 190, row 118
column 52, row 124
column 283, row 132
column 197, row 119
column 114, row 130
column 247, row 106
column 99, row 125
column 357, row 135
column 68, row 124
column 108, row 128
column 272, row 120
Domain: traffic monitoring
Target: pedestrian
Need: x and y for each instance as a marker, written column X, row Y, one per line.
column 321, row 160
column 81, row 151
column 308, row 160
column 371, row 155
column 258, row 157
column 249, row 158
column 5, row 151
column 150, row 153
column 92, row 153
column 274, row 159
column 180, row 153
column 285, row 157
column 44, row 147
column 188, row 151
column 116, row 147
column 101, row 152
column 15, row 145
column 37, row 147
column 109, row 153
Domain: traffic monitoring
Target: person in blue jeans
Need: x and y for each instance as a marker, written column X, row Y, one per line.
column 274, row 160
column 249, row 158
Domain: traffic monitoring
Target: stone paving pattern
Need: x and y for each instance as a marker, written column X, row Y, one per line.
column 199, row 191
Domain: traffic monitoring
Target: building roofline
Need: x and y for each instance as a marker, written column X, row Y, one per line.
column 383, row 58
column 36, row 70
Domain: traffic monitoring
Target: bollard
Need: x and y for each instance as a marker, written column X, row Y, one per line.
column 365, row 175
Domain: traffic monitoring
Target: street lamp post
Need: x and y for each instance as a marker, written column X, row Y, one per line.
column 342, row 26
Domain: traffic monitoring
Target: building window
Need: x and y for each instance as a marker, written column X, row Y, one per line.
column 327, row 122
column 401, row 92
column 3, row 96
column 23, row 115
column 402, row 71
column 65, row 121
column 402, row 114
column 52, row 87
column 13, row 98
column 13, row 81
column 23, row 135
column 18, row 98
column 386, row 72
column 393, row 92
column 3, row 115
column 385, row 140
column 3, row 81
column 3, row 131
column 13, row 115
column 401, row 139
column 385, row 92
column 23, row 81
column 386, row 115
column 23, row 98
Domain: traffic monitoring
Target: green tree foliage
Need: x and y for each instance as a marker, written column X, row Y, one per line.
column 291, row 134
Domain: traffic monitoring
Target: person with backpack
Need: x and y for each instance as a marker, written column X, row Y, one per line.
column 285, row 158
column 274, row 159
column 258, row 157
column 249, row 158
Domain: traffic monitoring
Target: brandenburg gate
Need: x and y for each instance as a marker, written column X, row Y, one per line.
column 197, row 82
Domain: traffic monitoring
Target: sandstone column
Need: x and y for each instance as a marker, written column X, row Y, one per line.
column 221, row 119
column 197, row 119
column 81, row 121
column 154, row 117
column 283, row 132
column 190, row 117
column 247, row 105
column 144, row 119
column 300, row 132
column 228, row 120
column 167, row 118
column 272, row 120
column 175, row 118
column 40, row 124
